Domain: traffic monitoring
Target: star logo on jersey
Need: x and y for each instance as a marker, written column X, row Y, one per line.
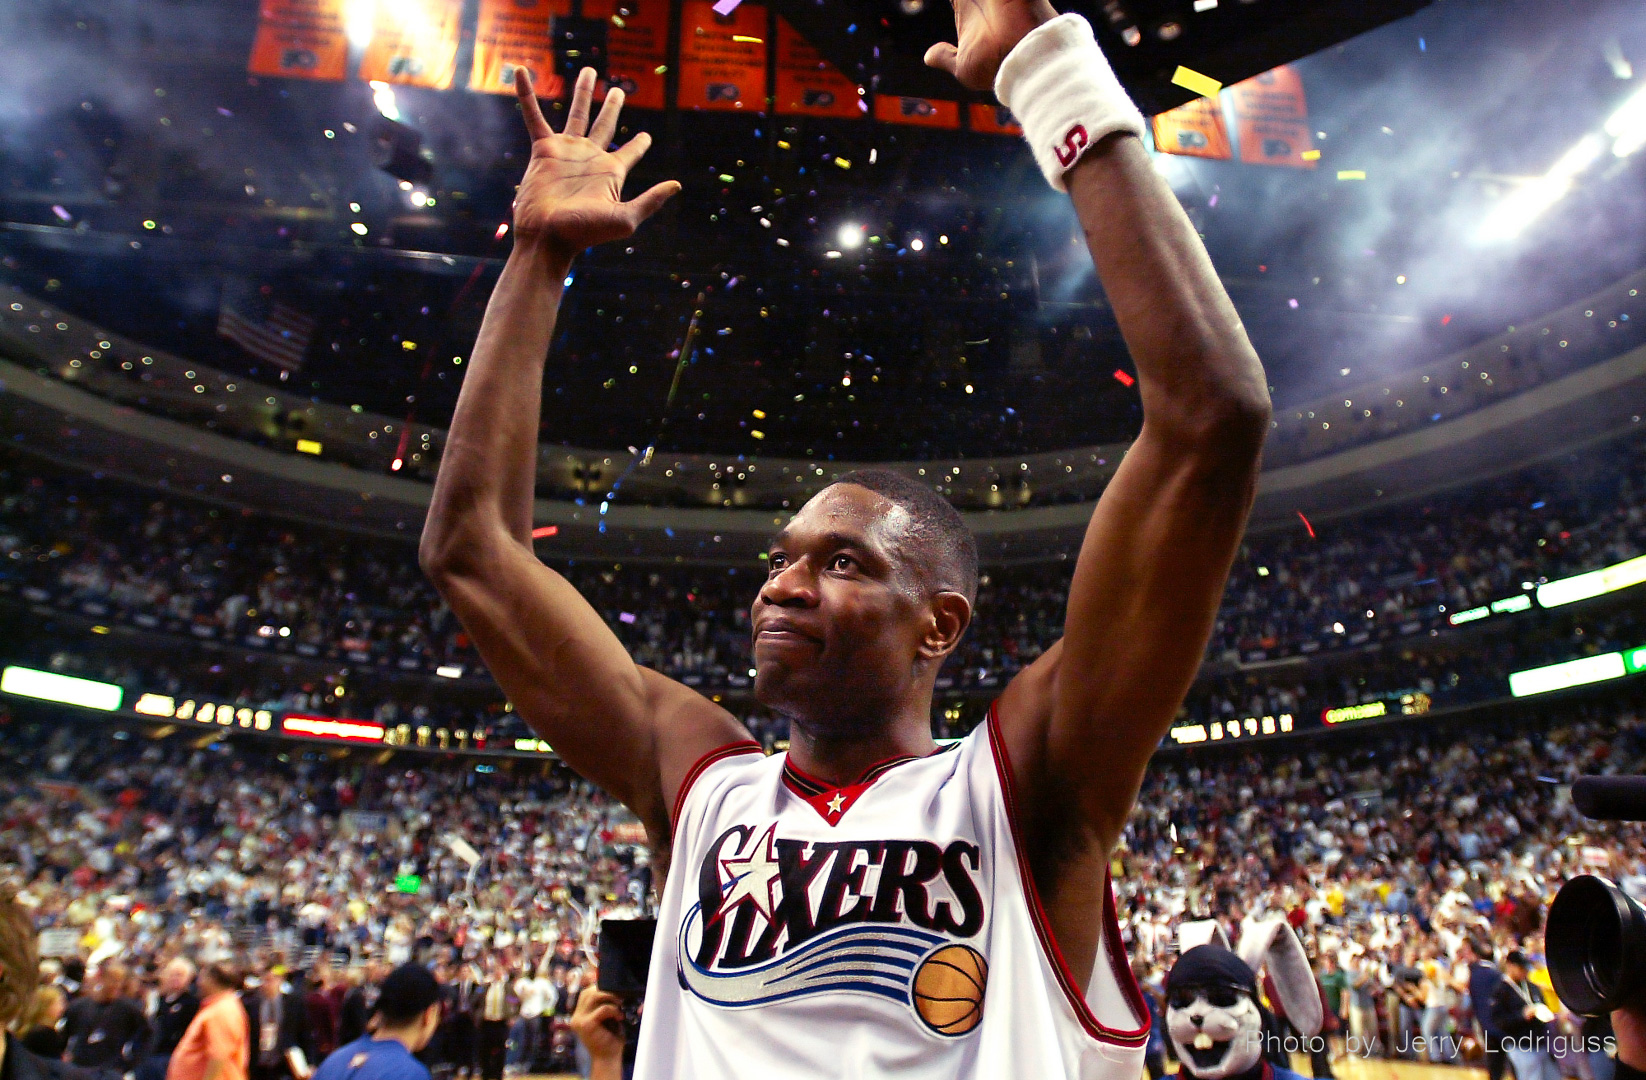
column 754, row 877
column 836, row 803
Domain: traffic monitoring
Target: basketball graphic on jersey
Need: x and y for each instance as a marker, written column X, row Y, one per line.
column 948, row 989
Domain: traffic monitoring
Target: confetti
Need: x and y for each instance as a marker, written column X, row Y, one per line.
column 1123, row 378
column 1351, row 174
column 545, row 530
column 1310, row 155
column 1306, row 524
column 750, row 40
column 726, row 7
column 843, row 163
column 1194, row 81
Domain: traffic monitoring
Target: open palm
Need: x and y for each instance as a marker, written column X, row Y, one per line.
column 572, row 195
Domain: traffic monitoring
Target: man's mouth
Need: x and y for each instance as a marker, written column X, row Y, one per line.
column 782, row 631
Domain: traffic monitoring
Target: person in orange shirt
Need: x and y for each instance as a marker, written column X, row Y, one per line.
column 217, row 1044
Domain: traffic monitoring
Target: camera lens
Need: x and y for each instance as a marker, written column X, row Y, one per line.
column 1596, row 946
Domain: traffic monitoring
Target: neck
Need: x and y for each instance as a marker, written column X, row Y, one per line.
column 405, row 1036
column 840, row 751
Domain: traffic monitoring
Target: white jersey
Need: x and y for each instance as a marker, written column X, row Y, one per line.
column 885, row 928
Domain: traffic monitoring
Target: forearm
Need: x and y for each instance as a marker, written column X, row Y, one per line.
column 488, row 470
column 1197, row 371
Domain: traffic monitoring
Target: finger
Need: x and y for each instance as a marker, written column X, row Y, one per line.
column 649, row 202
column 577, row 120
column 605, row 125
column 629, row 154
column 943, row 56
column 605, row 1013
column 536, row 126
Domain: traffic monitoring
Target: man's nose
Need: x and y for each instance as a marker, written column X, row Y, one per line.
column 790, row 587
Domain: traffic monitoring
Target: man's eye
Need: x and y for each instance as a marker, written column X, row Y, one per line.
column 841, row 562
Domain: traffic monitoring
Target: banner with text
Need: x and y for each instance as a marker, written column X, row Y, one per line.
column 514, row 34
column 1194, row 129
column 637, row 48
column 300, row 39
column 993, row 119
column 414, row 43
column 1272, row 119
column 809, row 85
column 920, row 111
column 722, row 57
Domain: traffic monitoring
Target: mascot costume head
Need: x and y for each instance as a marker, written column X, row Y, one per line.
column 1213, row 1015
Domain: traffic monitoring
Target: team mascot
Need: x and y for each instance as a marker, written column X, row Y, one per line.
column 1213, row 1016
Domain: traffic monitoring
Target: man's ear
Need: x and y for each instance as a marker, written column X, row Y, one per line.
column 951, row 614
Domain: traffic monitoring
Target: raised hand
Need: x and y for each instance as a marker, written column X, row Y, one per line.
column 572, row 195
column 987, row 31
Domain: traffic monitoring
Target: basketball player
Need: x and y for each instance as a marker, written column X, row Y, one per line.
column 869, row 903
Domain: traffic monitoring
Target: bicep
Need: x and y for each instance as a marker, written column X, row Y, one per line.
column 571, row 679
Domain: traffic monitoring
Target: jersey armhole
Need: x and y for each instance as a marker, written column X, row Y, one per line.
column 720, row 753
column 1111, row 946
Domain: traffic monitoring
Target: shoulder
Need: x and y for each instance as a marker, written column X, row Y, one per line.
column 24, row 1064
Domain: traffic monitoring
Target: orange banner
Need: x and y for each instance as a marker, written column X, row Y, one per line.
column 1194, row 129
column 914, row 110
column 808, row 84
column 637, row 47
column 1272, row 119
column 722, row 57
column 300, row 39
column 414, row 43
column 513, row 34
column 993, row 119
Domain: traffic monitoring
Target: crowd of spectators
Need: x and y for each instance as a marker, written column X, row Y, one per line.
column 172, row 565
column 1398, row 855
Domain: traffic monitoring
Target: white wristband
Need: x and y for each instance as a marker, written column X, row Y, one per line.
column 1059, row 85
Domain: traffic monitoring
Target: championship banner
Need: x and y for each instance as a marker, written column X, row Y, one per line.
column 300, row 39
column 637, row 48
column 809, row 85
column 514, row 34
column 1194, row 129
column 993, row 119
column 413, row 43
column 919, row 111
column 1272, row 119
column 722, row 57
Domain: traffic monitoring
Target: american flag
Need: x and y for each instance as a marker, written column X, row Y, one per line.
column 269, row 330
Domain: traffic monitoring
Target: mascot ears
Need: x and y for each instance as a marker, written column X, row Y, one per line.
column 1270, row 943
column 1204, row 932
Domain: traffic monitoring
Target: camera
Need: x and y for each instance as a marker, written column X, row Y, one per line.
column 1595, row 940
column 625, row 958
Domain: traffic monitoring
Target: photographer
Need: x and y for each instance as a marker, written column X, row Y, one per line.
column 598, row 1022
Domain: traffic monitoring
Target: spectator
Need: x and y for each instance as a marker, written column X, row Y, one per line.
column 19, row 977
column 106, row 1031
column 1483, row 981
column 278, row 1018
column 41, row 1024
column 217, row 1044
column 1519, row 1012
column 408, row 1015
column 536, row 993
column 496, row 1008
column 174, row 1009
column 322, row 1011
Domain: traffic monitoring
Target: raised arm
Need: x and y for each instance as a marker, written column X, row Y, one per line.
column 628, row 729
column 1082, row 721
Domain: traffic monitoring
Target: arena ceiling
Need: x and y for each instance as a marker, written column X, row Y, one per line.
column 149, row 184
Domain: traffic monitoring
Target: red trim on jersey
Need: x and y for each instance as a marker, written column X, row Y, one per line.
column 1042, row 926
column 742, row 746
column 831, row 802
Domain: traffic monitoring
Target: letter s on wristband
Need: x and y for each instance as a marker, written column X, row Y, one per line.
column 1059, row 85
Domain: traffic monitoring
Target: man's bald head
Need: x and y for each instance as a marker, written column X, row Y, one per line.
column 940, row 547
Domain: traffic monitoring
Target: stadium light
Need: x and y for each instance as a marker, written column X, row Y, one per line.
column 1528, row 202
column 383, row 96
column 1627, row 126
column 851, row 235
column 49, row 686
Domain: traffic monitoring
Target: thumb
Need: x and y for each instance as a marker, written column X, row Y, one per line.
column 943, row 56
column 651, row 200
